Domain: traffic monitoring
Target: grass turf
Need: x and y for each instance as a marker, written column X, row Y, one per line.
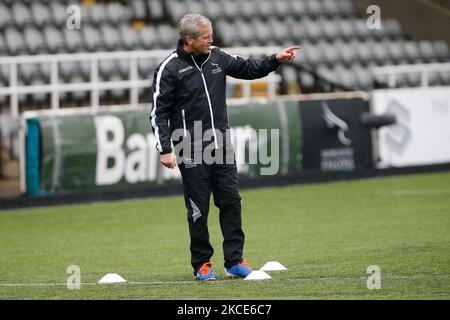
column 325, row 234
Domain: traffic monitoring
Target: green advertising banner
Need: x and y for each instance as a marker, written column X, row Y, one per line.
column 113, row 149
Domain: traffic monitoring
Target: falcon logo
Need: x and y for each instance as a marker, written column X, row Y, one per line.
column 216, row 69
column 399, row 136
column 333, row 121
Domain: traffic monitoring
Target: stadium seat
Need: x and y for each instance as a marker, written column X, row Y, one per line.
column 138, row 9
column 314, row 7
column 3, row 49
column 195, row 6
column 261, row 30
column 329, row 51
column 363, row 77
column 177, row 10
column 28, row 72
column 297, row 7
column 225, row 30
column 280, row 31
column 22, row 14
column 73, row 39
column 313, row 54
column 281, row 9
column 412, row 52
column 331, row 7
column 444, row 77
column 41, row 14
column 213, row 8
column 230, row 8
column 15, row 42
column 341, row 76
column 6, row 17
column 98, row 13
column 156, row 9
column 307, row 81
column 396, row 51
column 345, row 28
column 347, row 51
column 361, row 29
column 427, row 52
column 35, row 41
column 129, row 37
column 117, row 12
column 245, row 34
column 327, row 73
column 146, row 68
column 363, row 51
column 312, row 28
column 5, row 70
column 329, row 28
column 346, row 7
column 414, row 79
column 442, row 50
column 107, row 69
column 264, row 8
column 111, row 37
column 92, row 38
column 393, row 28
column 58, row 13
column 149, row 38
column 167, row 36
column 70, row 71
column 381, row 54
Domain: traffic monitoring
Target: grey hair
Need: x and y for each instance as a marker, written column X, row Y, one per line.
column 189, row 24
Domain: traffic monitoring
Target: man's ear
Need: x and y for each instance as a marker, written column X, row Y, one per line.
column 188, row 39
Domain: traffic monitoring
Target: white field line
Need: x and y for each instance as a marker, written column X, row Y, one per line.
column 50, row 284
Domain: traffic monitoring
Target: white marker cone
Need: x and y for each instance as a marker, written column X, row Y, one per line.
column 273, row 266
column 112, row 278
column 258, row 275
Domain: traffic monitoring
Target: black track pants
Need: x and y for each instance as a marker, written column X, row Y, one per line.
column 222, row 180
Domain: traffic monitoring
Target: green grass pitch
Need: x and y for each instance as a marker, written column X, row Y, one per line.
column 327, row 235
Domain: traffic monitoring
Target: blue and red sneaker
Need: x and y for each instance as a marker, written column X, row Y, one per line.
column 239, row 270
column 204, row 273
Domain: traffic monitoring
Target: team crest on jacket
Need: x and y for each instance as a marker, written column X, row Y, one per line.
column 216, row 68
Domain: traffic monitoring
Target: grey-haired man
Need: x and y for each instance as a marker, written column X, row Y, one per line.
column 189, row 93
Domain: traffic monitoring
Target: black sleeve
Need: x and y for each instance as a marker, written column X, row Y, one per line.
column 163, row 96
column 241, row 68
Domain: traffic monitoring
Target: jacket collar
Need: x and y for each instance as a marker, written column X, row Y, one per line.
column 183, row 54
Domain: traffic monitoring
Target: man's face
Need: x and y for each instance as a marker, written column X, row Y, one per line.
column 202, row 44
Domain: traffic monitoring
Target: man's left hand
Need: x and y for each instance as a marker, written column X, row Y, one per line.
column 287, row 54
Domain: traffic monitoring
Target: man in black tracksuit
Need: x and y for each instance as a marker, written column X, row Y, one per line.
column 189, row 97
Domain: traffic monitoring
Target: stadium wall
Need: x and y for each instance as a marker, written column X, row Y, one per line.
column 75, row 150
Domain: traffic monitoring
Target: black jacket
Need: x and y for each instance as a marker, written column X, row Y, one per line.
column 184, row 92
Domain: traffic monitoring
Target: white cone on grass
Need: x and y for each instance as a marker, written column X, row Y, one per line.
column 273, row 266
column 258, row 275
column 112, row 278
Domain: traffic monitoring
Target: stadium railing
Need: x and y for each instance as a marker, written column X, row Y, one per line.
column 390, row 73
column 94, row 85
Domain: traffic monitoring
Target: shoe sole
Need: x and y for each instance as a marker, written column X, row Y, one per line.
column 230, row 275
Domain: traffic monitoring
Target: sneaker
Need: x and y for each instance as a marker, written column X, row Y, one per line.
column 204, row 273
column 240, row 270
